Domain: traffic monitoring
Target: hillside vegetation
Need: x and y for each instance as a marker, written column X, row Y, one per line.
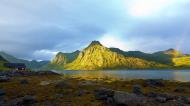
column 2, row 61
column 98, row 57
column 29, row 64
column 182, row 61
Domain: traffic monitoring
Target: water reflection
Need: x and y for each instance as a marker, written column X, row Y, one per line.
column 92, row 75
column 177, row 75
column 183, row 76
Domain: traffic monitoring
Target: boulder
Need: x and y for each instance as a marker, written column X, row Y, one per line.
column 180, row 89
column 103, row 93
column 87, row 83
column 4, row 79
column 154, row 83
column 28, row 99
column 137, row 89
column 129, row 99
column 64, row 84
column 152, row 94
column 110, row 102
column 160, row 99
column 59, row 95
column 2, row 92
column 23, row 101
column 44, row 83
column 187, row 100
column 24, row 81
column 82, row 92
column 167, row 96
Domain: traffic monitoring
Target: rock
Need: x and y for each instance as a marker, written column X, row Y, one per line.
column 161, row 99
column 154, row 83
column 103, row 93
column 1, row 102
column 137, row 89
column 167, row 96
column 2, row 92
column 110, row 102
column 129, row 99
column 82, row 92
column 4, row 79
column 87, row 83
column 63, row 84
column 43, row 83
column 24, row 81
column 187, row 100
column 23, row 101
column 171, row 103
column 152, row 94
column 29, row 99
column 164, row 95
column 59, row 95
column 179, row 89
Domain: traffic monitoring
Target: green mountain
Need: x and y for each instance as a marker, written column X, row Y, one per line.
column 61, row 59
column 136, row 54
column 2, row 61
column 64, row 58
column 29, row 64
column 96, row 57
column 171, row 52
column 167, row 56
column 163, row 57
column 183, row 62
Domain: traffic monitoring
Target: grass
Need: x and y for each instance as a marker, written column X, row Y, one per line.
column 182, row 61
column 2, row 66
column 46, row 94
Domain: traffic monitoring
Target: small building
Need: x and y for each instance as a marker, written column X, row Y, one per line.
column 16, row 66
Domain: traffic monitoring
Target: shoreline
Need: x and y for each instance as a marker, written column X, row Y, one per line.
column 49, row 88
column 129, row 69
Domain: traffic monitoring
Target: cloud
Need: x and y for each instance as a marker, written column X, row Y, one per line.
column 39, row 54
column 142, row 8
column 114, row 41
column 36, row 29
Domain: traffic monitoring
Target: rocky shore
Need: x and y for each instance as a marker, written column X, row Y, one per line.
column 46, row 88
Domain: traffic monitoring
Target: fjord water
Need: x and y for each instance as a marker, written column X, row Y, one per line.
column 174, row 75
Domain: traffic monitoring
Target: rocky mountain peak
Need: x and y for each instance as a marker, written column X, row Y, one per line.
column 95, row 43
column 171, row 49
column 173, row 52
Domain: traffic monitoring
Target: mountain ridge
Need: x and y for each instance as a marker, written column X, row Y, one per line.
column 29, row 64
column 98, row 57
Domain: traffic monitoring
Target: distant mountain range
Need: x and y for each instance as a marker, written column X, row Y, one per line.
column 29, row 64
column 2, row 61
column 98, row 57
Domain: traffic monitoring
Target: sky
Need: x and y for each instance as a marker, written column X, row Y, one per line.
column 38, row 29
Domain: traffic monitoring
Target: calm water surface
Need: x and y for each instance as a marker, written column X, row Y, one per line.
column 176, row 75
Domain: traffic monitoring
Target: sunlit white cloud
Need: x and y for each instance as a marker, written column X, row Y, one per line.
column 111, row 40
column 142, row 8
column 136, row 44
